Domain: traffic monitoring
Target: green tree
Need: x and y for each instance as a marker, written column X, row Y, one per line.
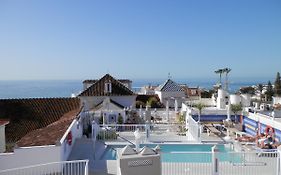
column 152, row 102
column 277, row 85
column 207, row 93
column 219, row 71
column 120, row 119
column 269, row 92
column 235, row 109
column 200, row 107
column 247, row 90
column 140, row 104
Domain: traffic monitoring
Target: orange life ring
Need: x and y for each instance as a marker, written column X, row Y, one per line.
column 69, row 138
column 269, row 130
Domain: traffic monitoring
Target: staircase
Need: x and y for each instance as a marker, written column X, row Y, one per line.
column 84, row 149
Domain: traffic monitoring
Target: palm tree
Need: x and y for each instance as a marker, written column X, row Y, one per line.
column 226, row 71
column 219, row 71
column 200, row 107
column 235, row 108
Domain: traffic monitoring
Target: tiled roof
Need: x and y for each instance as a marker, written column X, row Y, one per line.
column 97, row 89
column 121, row 80
column 4, row 122
column 50, row 134
column 170, row 86
column 26, row 115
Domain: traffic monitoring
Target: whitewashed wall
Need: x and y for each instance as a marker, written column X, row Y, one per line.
column 29, row 156
column 164, row 95
column 265, row 120
column 126, row 101
column 276, row 100
column 77, row 132
column 2, row 139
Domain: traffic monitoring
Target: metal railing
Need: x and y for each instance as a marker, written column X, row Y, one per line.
column 113, row 131
column 77, row 167
column 228, row 163
column 182, row 163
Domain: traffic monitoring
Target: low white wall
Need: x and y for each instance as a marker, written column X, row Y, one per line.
column 2, row 139
column 77, row 132
column 27, row 156
column 163, row 96
column 276, row 100
column 265, row 120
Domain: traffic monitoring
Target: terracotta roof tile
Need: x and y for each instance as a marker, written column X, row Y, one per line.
column 121, row 80
column 4, row 122
column 50, row 134
column 26, row 115
column 97, row 89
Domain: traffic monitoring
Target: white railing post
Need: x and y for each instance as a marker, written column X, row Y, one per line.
column 86, row 167
column 147, row 131
column 278, row 160
column 215, row 160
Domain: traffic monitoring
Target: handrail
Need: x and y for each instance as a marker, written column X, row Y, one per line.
column 121, row 137
column 45, row 164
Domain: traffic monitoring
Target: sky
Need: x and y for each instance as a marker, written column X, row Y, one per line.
column 139, row 39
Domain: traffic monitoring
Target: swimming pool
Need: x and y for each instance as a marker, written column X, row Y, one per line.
column 179, row 152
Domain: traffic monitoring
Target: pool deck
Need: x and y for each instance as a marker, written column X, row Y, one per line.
column 84, row 149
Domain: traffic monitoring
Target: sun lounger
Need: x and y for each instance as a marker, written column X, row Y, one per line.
column 212, row 129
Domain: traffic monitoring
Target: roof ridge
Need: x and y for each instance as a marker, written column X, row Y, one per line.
column 168, row 85
column 90, row 89
column 36, row 98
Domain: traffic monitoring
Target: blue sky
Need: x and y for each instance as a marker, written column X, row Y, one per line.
column 65, row 39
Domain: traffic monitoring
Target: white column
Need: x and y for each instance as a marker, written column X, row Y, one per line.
column 167, row 110
column 137, row 139
column 147, row 131
column 278, row 160
column 176, row 105
column 228, row 113
column 103, row 115
column 215, row 160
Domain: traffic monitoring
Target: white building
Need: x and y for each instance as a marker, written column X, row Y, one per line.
column 52, row 143
column 148, row 90
column 108, row 97
column 170, row 93
column 3, row 123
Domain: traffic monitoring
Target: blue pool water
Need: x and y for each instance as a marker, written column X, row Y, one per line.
column 180, row 153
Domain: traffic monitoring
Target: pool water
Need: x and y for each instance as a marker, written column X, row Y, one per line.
column 180, row 153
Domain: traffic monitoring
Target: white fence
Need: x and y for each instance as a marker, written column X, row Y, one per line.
column 77, row 167
column 194, row 133
column 151, row 132
column 229, row 163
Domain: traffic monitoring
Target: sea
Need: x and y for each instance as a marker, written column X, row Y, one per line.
column 13, row 89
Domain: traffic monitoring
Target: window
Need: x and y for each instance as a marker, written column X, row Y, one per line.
column 107, row 88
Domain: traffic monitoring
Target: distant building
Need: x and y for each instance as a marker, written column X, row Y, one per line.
column 88, row 83
column 170, row 93
column 148, row 90
column 108, row 97
column 42, row 130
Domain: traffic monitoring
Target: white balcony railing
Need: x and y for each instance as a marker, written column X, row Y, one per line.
column 228, row 163
column 77, row 167
column 177, row 132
